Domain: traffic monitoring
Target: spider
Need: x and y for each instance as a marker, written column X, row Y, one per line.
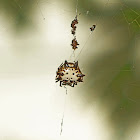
column 69, row 74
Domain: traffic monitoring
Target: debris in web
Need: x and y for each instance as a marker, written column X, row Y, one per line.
column 74, row 44
column 93, row 27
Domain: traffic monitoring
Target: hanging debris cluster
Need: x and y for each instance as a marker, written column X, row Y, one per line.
column 73, row 31
column 73, row 25
column 69, row 74
column 74, row 44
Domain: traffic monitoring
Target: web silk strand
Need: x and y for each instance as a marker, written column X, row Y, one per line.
column 62, row 122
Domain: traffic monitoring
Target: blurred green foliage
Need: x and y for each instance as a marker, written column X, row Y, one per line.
column 18, row 12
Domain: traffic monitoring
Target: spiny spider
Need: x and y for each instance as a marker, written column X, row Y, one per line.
column 69, row 74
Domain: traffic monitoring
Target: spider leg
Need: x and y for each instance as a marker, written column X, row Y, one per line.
column 60, row 83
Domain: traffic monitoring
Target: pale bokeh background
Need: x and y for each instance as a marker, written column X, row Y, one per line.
column 35, row 38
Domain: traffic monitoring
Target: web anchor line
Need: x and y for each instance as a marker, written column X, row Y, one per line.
column 72, row 55
column 17, row 4
column 62, row 121
column 129, row 24
column 91, row 32
column 77, row 8
column 40, row 10
column 84, row 45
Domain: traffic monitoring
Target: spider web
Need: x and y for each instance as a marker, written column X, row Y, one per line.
column 120, row 12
